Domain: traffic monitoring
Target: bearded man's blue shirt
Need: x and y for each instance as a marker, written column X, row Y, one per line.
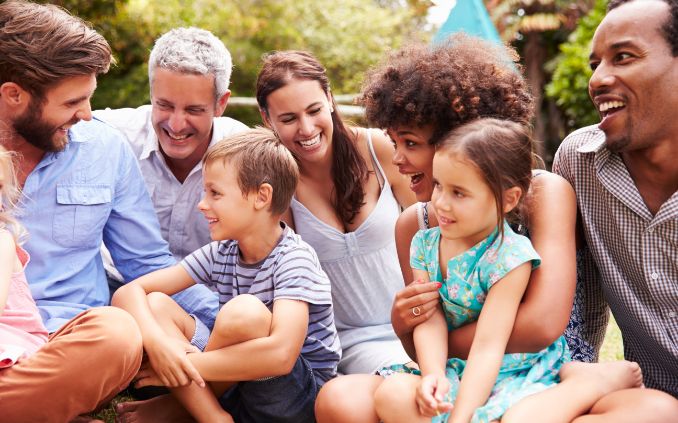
column 75, row 199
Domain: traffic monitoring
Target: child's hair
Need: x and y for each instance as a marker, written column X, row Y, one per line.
column 502, row 151
column 10, row 196
column 259, row 157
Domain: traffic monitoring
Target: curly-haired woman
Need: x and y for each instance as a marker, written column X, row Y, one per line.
column 419, row 94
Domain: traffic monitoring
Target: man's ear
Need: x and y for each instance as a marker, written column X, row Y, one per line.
column 222, row 103
column 511, row 198
column 13, row 95
column 264, row 197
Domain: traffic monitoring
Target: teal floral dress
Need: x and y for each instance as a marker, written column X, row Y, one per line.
column 469, row 278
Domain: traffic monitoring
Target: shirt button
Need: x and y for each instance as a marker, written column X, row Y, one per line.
column 650, row 230
column 672, row 314
column 654, row 275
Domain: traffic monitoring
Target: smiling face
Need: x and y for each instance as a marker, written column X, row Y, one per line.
column 225, row 207
column 183, row 110
column 634, row 76
column 301, row 114
column 462, row 200
column 414, row 158
column 45, row 125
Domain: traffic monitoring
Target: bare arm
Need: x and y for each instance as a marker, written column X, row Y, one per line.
column 422, row 295
column 167, row 357
column 399, row 184
column 546, row 306
column 273, row 355
column 430, row 340
column 487, row 351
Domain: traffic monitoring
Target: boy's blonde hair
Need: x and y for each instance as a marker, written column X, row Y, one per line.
column 10, row 196
column 259, row 157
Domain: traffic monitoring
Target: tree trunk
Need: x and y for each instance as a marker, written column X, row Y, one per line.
column 535, row 55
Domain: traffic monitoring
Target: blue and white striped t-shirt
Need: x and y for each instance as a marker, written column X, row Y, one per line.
column 291, row 271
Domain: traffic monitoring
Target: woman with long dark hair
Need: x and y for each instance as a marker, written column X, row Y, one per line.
column 346, row 204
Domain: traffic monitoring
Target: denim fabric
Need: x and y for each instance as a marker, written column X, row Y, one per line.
column 282, row 399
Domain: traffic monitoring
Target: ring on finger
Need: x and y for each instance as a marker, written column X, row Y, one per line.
column 416, row 311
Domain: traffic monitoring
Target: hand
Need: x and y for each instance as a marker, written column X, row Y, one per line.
column 423, row 295
column 431, row 395
column 170, row 365
column 146, row 376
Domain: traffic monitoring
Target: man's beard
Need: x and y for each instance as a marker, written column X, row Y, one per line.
column 37, row 131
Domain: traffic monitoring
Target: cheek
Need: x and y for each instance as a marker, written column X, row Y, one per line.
column 157, row 117
column 286, row 134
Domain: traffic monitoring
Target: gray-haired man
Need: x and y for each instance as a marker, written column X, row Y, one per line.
column 189, row 71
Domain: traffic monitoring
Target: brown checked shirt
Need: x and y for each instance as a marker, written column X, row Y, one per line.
column 636, row 254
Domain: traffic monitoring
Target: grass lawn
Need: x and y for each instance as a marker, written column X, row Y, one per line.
column 611, row 350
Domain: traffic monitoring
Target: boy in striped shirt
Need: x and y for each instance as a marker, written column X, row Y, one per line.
column 274, row 342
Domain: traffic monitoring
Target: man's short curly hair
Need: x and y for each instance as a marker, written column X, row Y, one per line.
column 446, row 85
column 670, row 27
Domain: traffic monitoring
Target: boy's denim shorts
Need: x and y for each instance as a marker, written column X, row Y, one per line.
column 280, row 399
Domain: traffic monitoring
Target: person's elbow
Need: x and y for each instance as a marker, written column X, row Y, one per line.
column 283, row 359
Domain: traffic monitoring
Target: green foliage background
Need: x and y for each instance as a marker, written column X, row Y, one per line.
column 347, row 37
column 569, row 85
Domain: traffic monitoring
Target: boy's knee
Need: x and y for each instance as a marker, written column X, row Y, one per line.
column 158, row 302
column 244, row 313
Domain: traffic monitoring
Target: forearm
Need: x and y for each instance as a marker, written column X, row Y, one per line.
column 249, row 360
column 480, row 375
column 429, row 341
column 529, row 335
column 132, row 298
column 405, row 336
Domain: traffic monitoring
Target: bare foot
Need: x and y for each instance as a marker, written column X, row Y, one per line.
column 609, row 377
column 164, row 408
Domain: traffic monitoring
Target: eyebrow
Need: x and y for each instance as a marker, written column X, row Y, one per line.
column 617, row 46
column 77, row 99
column 164, row 100
column 310, row 106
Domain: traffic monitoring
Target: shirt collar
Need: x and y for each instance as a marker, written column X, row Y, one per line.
column 595, row 144
column 77, row 136
column 151, row 143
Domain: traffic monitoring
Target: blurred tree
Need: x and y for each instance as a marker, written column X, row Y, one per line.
column 347, row 37
column 569, row 85
column 536, row 28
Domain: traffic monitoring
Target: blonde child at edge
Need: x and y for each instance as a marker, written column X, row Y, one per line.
column 481, row 170
column 261, row 364
column 21, row 329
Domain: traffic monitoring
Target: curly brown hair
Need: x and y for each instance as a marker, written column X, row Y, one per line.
column 445, row 85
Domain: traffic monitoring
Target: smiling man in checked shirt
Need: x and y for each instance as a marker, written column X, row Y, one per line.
column 625, row 174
